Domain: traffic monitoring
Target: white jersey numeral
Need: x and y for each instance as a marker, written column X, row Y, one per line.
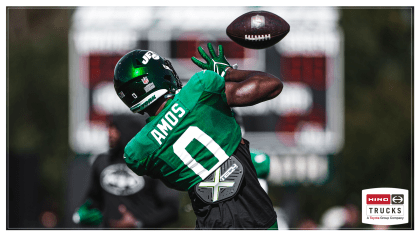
column 186, row 138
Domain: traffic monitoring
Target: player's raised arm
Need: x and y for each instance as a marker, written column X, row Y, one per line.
column 247, row 88
column 243, row 87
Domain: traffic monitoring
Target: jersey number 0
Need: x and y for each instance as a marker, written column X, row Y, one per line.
column 193, row 132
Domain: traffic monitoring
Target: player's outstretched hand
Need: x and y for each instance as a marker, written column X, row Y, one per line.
column 218, row 64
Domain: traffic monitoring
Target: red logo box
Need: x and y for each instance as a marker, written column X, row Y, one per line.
column 378, row 199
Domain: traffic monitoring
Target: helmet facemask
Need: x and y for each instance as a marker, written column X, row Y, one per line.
column 178, row 81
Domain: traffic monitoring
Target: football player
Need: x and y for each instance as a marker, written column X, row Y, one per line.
column 192, row 141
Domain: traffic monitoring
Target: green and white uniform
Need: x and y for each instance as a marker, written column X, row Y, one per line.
column 190, row 138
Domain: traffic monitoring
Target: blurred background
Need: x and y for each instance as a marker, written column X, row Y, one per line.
column 343, row 122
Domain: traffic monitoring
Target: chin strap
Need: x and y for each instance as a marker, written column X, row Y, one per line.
column 227, row 68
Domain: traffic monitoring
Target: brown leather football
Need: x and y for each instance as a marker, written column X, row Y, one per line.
column 258, row 29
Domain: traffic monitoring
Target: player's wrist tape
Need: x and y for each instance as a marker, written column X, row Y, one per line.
column 224, row 72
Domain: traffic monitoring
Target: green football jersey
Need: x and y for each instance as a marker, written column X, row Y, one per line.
column 190, row 138
column 261, row 162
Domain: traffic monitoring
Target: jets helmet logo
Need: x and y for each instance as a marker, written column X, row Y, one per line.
column 148, row 55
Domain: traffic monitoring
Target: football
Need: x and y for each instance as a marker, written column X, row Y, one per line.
column 258, row 29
